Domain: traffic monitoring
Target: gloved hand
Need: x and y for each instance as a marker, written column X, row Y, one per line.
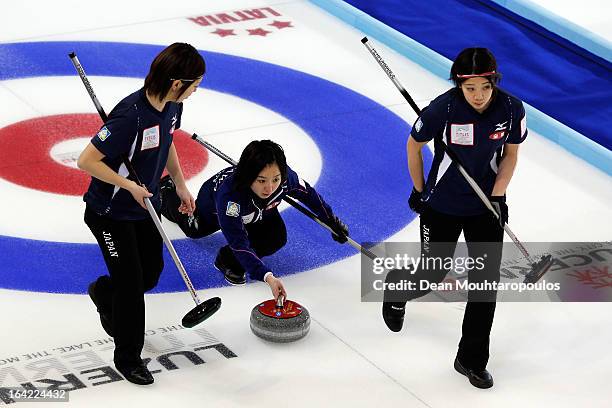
column 339, row 228
column 415, row 201
column 500, row 206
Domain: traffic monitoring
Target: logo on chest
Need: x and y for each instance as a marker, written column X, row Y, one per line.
column 247, row 219
column 499, row 132
column 462, row 134
column 274, row 204
column 150, row 138
column 174, row 120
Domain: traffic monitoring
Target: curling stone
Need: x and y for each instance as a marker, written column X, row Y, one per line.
column 280, row 321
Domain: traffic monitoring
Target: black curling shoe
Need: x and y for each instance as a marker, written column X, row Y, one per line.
column 139, row 374
column 233, row 275
column 393, row 315
column 479, row 379
column 105, row 319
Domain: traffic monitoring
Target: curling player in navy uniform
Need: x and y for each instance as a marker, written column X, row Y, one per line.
column 242, row 201
column 482, row 126
column 139, row 127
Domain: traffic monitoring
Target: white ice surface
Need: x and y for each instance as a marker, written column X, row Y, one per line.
column 542, row 354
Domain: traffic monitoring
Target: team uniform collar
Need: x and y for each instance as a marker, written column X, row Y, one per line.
column 147, row 104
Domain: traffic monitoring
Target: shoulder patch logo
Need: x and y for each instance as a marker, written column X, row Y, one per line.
column 418, row 125
column 103, row 133
column 233, row 209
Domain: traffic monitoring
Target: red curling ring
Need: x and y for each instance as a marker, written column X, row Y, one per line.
column 25, row 152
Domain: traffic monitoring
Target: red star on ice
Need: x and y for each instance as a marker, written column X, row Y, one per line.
column 259, row 31
column 281, row 24
column 223, row 33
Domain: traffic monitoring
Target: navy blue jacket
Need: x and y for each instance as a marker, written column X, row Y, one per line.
column 234, row 209
column 139, row 131
column 477, row 139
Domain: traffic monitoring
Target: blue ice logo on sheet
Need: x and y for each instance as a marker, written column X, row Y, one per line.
column 362, row 188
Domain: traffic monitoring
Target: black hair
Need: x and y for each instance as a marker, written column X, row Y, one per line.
column 475, row 61
column 177, row 61
column 254, row 158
